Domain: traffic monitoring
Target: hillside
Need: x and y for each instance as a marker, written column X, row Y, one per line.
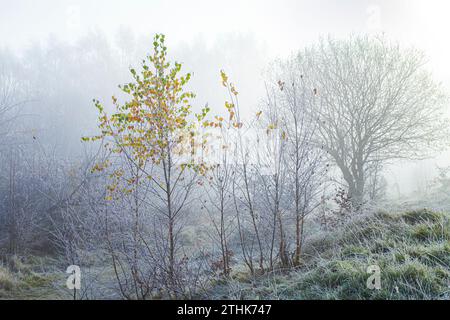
column 412, row 250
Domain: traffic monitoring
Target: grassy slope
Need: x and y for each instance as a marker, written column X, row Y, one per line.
column 412, row 250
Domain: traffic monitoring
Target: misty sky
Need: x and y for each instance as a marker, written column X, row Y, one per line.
column 269, row 29
column 281, row 26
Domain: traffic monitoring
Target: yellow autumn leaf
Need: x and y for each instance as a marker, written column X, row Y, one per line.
column 258, row 114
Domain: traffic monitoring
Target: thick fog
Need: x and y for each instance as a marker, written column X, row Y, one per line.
column 329, row 122
column 70, row 52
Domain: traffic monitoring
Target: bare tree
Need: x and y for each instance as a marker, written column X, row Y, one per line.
column 290, row 98
column 12, row 94
column 218, row 201
column 377, row 103
column 272, row 176
column 244, row 186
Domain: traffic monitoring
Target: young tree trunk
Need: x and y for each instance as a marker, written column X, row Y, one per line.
column 298, row 239
column 283, row 251
column 171, row 222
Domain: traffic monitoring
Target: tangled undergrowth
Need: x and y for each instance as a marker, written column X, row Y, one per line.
column 412, row 250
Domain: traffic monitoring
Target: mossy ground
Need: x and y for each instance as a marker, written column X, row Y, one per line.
column 412, row 250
